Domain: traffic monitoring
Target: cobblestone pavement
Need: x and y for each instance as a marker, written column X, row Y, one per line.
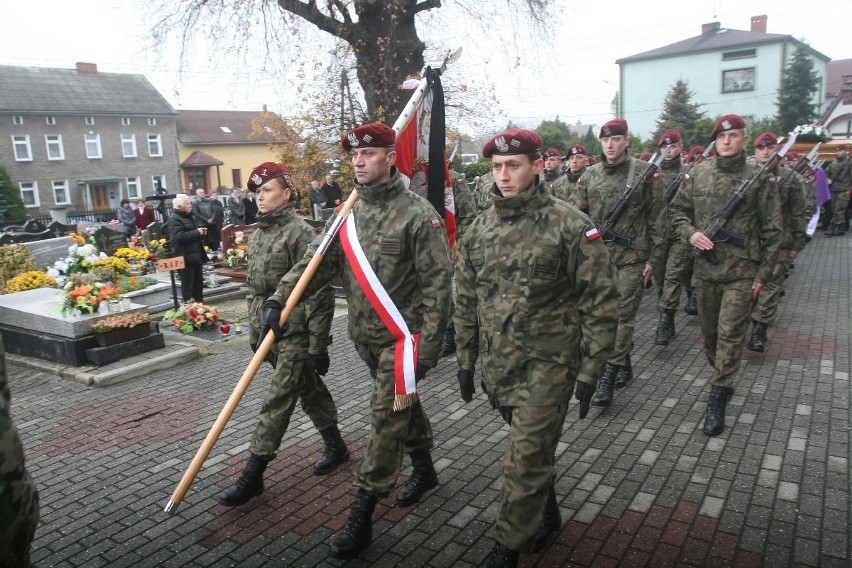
column 638, row 484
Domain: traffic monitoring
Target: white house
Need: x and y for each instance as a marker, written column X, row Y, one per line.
column 730, row 71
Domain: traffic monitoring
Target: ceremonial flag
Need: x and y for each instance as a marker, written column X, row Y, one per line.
column 421, row 153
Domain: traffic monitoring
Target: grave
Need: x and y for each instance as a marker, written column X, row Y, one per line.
column 32, row 324
column 108, row 240
column 229, row 235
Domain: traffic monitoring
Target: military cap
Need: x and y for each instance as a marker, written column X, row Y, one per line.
column 577, row 149
column 791, row 155
column 372, row 135
column 513, row 141
column 669, row 137
column 592, row 160
column 267, row 171
column 694, row 152
column 727, row 122
column 552, row 153
column 764, row 140
column 615, row 127
column 645, row 156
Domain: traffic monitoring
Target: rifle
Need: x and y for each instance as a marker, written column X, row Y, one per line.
column 675, row 184
column 606, row 230
column 292, row 300
column 800, row 165
column 717, row 224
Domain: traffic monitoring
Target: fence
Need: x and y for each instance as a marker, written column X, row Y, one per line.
column 73, row 217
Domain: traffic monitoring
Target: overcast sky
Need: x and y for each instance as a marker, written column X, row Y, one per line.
column 574, row 78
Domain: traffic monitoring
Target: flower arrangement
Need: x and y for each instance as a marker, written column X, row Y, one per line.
column 132, row 255
column 192, row 316
column 236, row 255
column 85, row 297
column 120, row 321
column 811, row 133
column 158, row 248
column 79, row 260
column 127, row 284
column 117, row 264
column 30, row 280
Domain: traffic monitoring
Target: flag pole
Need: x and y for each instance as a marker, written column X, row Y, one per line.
column 299, row 289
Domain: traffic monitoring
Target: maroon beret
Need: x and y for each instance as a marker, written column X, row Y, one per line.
column 669, row 137
column 592, row 160
column 577, row 149
column 265, row 172
column 513, row 141
column 373, row 135
column 764, row 140
column 615, row 127
column 791, row 155
column 552, row 153
column 645, row 156
column 727, row 122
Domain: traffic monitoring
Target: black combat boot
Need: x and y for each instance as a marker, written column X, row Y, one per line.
column 623, row 374
column 550, row 523
column 249, row 484
column 665, row 328
column 335, row 451
column 502, row 557
column 831, row 231
column 714, row 423
column 358, row 532
column 758, row 337
column 691, row 306
column 603, row 394
column 448, row 347
column 423, row 478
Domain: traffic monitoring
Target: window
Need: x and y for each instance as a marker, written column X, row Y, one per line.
column 90, row 121
column 50, row 120
column 93, row 146
column 155, row 147
column 736, row 80
column 128, row 145
column 29, row 193
column 19, row 120
column 133, row 188
column 741, row 54
column 60, row 192
column 125, row 121
column 23, row 152
column 158, row 182
column 54, row 147
column 152, row 122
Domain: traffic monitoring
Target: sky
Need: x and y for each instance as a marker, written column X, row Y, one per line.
column 571, row 75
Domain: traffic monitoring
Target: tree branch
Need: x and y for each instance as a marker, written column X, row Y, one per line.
column 426, row 5
column 309, row 12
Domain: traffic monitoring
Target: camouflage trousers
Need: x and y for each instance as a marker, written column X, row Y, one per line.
column 292, row 381
column 630, row 291
column 528, row 467
column 660, row 267
column 724, row 311
column 19, row 505
column 392, row 434
column 766, row 307
column 839, row 203
column 678, row 275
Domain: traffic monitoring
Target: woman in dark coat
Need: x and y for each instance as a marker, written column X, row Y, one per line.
column 187, row 240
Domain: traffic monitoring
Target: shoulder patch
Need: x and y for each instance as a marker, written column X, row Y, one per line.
column 436, row 223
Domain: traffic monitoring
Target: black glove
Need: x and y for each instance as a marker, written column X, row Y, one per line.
column 321, row 363
column 420, row 372
column 583, row 392
column 466, row 384
column 270, row 319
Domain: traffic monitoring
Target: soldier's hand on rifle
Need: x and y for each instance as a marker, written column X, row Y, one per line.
column 420, row 372
column 700, row 241
column 270, row 320
column 321, row 363
column 583, row 392
column 466, row 384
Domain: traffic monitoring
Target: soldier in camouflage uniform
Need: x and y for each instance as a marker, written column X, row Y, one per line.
column 552, row 167
column 483, row 193
column 675, row 255
column 839, row 174
column 577, row 159
column 726, row 290
column 542, row 318
column 281, row 240
column 405, row 244
column 793, row 208
column 596, row 194
column 19, row 508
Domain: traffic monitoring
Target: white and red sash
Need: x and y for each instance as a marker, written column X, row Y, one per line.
column 405, row 387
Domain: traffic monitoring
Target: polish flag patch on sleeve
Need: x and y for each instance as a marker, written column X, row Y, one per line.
column 592, row 234
column 436, row 223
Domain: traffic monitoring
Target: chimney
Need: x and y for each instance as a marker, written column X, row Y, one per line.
column 87, row 68
column 712, row 27
column 758, row 24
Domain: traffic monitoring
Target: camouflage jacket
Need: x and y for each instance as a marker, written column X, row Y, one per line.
column 793, row 210
column 840, row 173
column 537, row 301
column 465, row 207
column 551, row 178
column 669, row 170
column 483, row 192
column 406, row 245
column 758, row 217
column 597, row 193
column 279, row 242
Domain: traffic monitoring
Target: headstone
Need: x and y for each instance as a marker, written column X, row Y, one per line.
column 60, row 229
column 48, row 251
column 229, row 234
column 109, row 241
column 154, row 231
